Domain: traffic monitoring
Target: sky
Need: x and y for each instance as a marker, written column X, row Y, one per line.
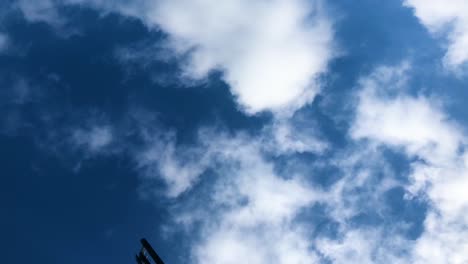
column 260, row 131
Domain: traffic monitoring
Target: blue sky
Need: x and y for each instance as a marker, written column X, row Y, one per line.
column 282, row 131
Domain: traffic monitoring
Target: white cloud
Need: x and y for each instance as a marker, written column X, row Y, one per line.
column 422, row 129
column 406, row 121
column 446, row 17
column 229, row 245
column 387, row 115
column 271, row 52
column 445, row 239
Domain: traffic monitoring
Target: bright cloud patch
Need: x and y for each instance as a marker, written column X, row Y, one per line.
column 449, row 17
column 271, row 52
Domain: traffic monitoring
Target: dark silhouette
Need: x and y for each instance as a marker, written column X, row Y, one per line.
column 147, row 254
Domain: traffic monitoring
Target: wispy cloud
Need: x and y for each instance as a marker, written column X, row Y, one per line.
column 423, row 130
column 93, row 139
column 254, row 207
